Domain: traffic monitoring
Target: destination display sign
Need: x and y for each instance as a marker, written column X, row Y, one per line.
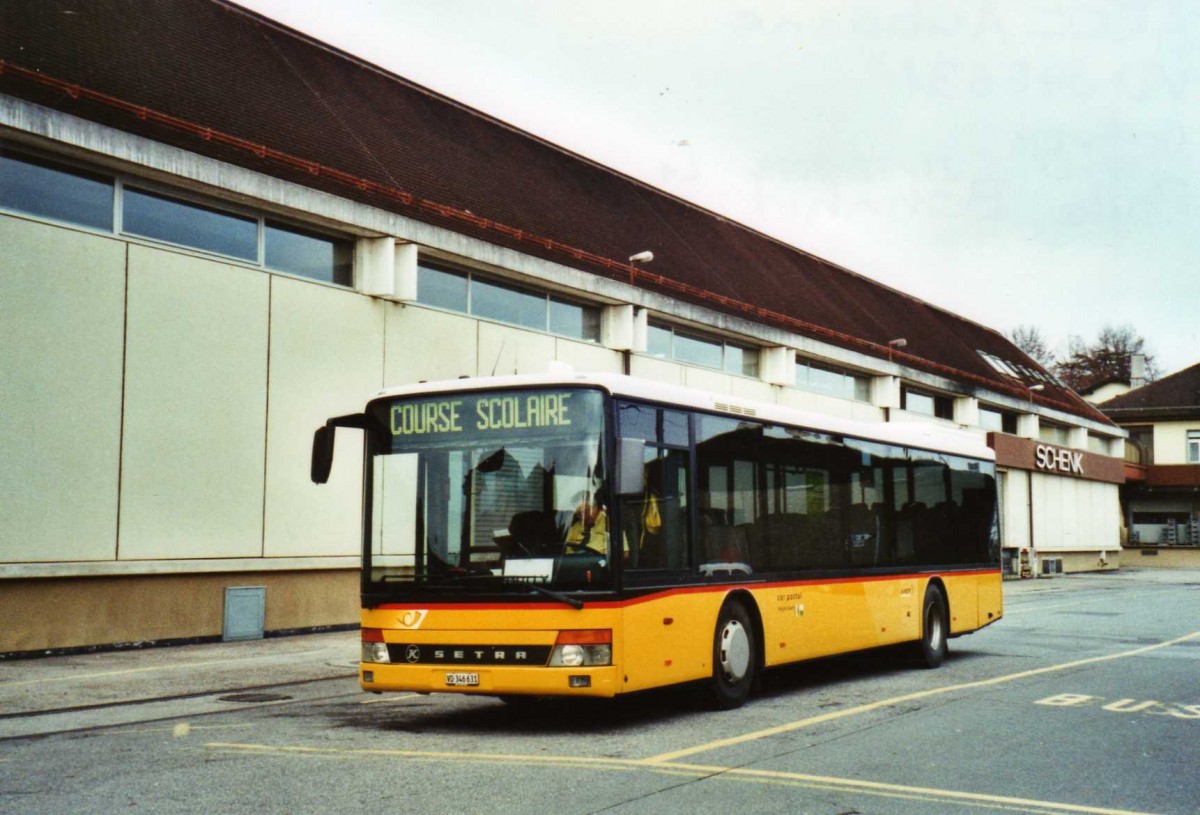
column 477, row 414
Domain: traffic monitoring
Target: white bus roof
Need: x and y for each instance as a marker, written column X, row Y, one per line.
column 908, row 434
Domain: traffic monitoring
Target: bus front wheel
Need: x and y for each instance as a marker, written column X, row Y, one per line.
column 734, row 664
column 935, row 628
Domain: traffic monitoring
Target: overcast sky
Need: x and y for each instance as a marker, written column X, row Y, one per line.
column 1024, row 162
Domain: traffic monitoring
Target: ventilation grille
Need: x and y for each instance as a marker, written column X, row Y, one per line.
column 736, row 409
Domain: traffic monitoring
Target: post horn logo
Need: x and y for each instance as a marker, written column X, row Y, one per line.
column 412, row 618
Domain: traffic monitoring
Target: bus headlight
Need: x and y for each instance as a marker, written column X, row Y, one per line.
column 375, row 652
column 374, row 649
column 574, row 649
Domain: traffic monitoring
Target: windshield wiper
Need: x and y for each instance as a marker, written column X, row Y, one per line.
column 562, row 598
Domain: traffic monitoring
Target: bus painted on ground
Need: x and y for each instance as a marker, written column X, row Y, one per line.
column 593, row 535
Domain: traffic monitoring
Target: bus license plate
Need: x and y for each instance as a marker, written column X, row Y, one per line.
column 464, row 680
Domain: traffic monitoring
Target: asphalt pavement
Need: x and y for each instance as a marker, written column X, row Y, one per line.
column 41, row 687
column 1082, row 700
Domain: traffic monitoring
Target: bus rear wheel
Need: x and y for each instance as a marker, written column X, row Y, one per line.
column 734, row 662
column 935, row 628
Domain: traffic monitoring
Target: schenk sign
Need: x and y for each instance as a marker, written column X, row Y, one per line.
column 1058, row 460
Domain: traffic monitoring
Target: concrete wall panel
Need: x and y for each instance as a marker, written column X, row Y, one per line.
column 505, row 350
column 709, row 380
column 62, row 295
column 754, row 389
column 1015, row 508
column 427, row 345
column 326, row 360
column 829, row 405
column 657, row 370
column 587, row 357
column 195, row 408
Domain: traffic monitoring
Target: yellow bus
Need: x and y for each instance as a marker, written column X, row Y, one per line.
column 593, row 535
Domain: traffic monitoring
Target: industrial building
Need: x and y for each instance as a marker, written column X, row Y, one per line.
column 218, row 232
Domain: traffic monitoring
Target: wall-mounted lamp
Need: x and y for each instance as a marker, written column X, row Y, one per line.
column 899, row 342
column 1038, row 387
column 642, row 257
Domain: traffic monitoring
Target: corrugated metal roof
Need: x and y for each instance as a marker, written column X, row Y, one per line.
column 221, row 81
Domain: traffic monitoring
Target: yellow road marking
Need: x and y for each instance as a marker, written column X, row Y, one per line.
column 181, row 729
column 873, row 788
column 379, row 751
column 902, row 790
column 388, row 699
column 895, row 700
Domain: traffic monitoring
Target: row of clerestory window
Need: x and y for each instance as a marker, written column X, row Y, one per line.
column 32, row 185
column 43, row 187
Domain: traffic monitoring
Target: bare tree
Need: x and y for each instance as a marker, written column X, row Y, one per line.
column 1108, row 357
column 1030, row 340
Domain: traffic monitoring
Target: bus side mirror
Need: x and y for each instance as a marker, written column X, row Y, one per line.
column 322, row 449
column 631, row 466
column 322, row 454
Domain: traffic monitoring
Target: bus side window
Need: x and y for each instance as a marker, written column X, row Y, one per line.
column 656, row 522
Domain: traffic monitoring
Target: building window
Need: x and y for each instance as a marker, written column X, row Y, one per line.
column 658, row 341
column 574, row 320
column 48, row 190
column 1098, row 444
column 695, row 349
column 1142, row 439
column 699, row 351
column 831, row 381
column 925, row 403
column 1001, row 421
column 468, row 294
column 1193, row 447
column 999, row 365
column 307, row 254
column 1053, row 433
column 442, row 289
column 149, row 215
column 508, row 305
column 741, row 360
column 1018, row 371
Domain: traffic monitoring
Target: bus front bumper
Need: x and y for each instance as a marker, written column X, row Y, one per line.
column 490, row 680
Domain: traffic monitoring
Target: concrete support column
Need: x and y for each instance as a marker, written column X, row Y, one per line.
column 406, row 272
column 387, row 269
column 777, row 365
column 966, row 411
column 885, row 391
column 1029, row 426
column 1077, row 438
column 623, row 328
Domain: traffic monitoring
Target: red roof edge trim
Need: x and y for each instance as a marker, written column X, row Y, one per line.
column 634, row 273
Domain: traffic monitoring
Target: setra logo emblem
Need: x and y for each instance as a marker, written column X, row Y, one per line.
column 412, row 653
column 412, row 618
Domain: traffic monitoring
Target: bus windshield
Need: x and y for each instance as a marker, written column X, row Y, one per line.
column 497, row 492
